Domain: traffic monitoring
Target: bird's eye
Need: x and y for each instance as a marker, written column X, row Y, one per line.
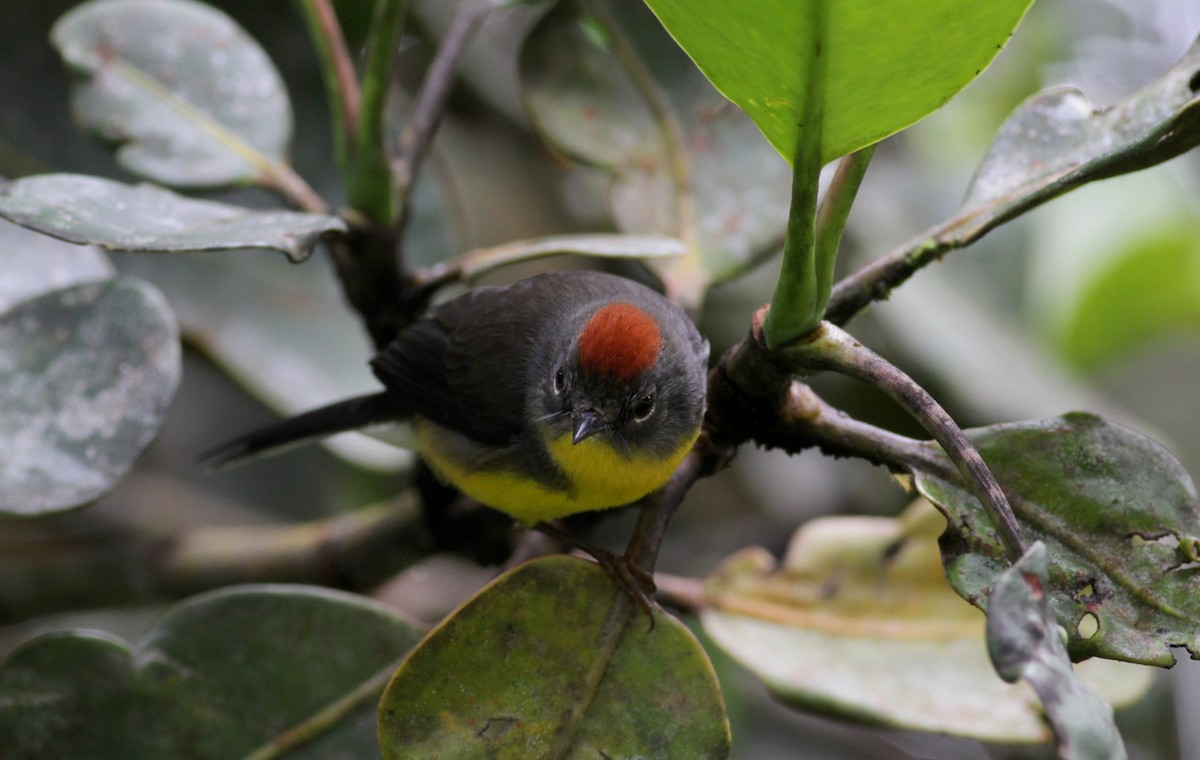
column 643, row 408
column 560, row 380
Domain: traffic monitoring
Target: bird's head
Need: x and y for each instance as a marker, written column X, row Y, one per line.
column 631, row 378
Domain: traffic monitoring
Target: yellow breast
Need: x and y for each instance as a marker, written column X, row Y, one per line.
column 601, row 477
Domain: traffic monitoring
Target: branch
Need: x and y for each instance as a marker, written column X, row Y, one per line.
column 337, row 69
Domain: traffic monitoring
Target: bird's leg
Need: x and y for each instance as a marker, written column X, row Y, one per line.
column 634, row 579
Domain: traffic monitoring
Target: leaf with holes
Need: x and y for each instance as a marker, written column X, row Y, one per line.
column 222, row 675
column 86, row 376
column 83, row 209
column 1120, row 519
column 859, row 622
column 877, row 67
column 685, row 163
column 553, row 660
column 185, row 94
column 1024, row 643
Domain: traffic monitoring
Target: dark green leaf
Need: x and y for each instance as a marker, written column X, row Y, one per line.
column 859, row 622
column 1056, row 141
column 1113, row 508
column 86, row 375
column 186, row 95
column 84, row 209
column 551, row 660
column 1025, row 642
column 880, row 66
column 34, row 264
column 714, row 182
column 222, row 675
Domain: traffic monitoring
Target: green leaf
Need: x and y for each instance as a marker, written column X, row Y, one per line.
column 34, row 264
column 86, row 376
column 186, row 95
column 1116, row 512
column 684, row 163
column 859, row 622
column 553, row 660
column 220, row 676
column 115, row 216
column 1025, row 642
column 881, row 66
column 1149, row 290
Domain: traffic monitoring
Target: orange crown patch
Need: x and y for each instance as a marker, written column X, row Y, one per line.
column 620, row 341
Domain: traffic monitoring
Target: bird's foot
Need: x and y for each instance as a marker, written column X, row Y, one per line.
column 637, row 583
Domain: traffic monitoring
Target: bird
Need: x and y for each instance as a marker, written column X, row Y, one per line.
column 563, row 392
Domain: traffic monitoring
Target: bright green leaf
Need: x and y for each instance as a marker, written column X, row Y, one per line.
column 882, row 66
column 859, row 622
column 222, row 675
column 86, row 376
column 1024, row 642
column 1113, row 509
column 183, row 92
column 551, row 660
column 112, row 215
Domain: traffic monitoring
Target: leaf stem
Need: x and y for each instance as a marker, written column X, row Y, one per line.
column 832, row 214
column 417, row 135
column 337, row 69
column 834, row 350
column 326, row 718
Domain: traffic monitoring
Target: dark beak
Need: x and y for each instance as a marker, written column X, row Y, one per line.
column 587, row 423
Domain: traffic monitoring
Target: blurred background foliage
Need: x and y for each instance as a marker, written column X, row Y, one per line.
column 1091, row 302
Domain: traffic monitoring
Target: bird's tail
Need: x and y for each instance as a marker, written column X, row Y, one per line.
column 351, row 414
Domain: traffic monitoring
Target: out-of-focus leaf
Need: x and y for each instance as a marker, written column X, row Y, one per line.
column 1051, row 144
column 222, row 675
column 116, row 216
column 1119, row 517
column 86, row 376
column 1149, row 290
column 185, row 94
column 547, row 661
column 1024, row 643
column 1056, row 140
column 714, row 183
column 859, row 622
column 34, row 264
column 476, row 263
column 878, row 67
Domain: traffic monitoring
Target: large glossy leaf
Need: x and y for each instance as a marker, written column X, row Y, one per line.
column 34, row 264
column 696, row 169
column 878, row 67
column 86, row 375
column 1120, row 519
column 1025, row 642
column 186, row 95
column 551, row 660
column 222, row 675
column 116, row 216
column 859, row 622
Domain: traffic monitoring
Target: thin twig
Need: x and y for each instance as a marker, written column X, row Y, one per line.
column 832, row 349
column 337, row 68
column 417, row 136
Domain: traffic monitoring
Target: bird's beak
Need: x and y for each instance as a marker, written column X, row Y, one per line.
column 587, row 423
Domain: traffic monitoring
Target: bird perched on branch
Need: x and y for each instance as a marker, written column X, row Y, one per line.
column 560, row 393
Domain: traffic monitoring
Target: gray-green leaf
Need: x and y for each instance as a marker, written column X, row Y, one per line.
column 1024, row 642
column 34, row 264
column 186, row 95
column 86, row 375
column 1117, row 514
column 222, row 675
column 116, row 216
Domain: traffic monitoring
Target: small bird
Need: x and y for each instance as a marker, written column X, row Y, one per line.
column 563, row 392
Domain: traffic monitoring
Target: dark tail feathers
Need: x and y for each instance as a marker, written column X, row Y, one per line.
column 351, row 414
